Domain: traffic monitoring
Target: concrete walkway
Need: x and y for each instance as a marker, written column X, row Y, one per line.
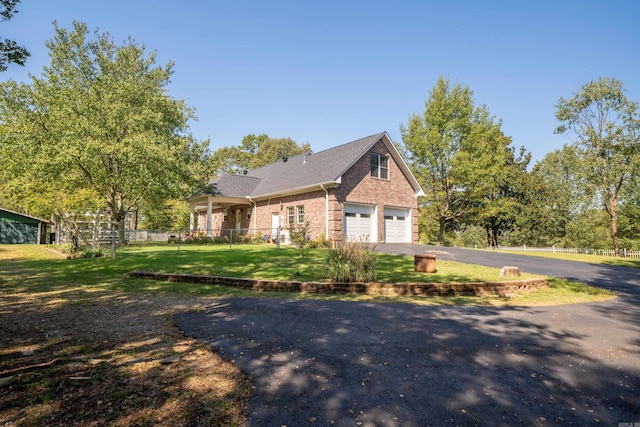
column 345, row 364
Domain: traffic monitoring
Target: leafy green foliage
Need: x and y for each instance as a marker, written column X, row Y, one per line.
column 351, row 262
column 299, row 235
column 432, row 141
column 254, row 151
column 10, row 51
column 99, row 120
column 605, row 127
column 470, row 172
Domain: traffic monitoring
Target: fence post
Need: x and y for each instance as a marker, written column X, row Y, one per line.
column 179, row 238
column 553, row 249
column 624, row 253
column 230, row 238
column 524, row 248
column 278, row 238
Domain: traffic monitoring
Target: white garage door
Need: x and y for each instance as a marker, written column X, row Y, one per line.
column 358, row 223
column 397, row 225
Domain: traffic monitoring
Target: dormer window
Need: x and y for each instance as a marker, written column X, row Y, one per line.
column 379, row 166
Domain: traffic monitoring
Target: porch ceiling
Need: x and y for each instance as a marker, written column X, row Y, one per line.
column 200, row 203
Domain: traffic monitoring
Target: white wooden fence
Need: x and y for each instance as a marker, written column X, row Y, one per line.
column 603, row 252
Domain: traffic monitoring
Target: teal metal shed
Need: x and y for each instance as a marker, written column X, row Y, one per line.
column 20, row 228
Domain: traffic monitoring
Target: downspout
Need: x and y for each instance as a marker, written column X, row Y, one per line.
column 326, row 212
column 255, row 214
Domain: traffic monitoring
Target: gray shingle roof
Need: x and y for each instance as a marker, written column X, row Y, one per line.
column 322, row 167
column 297, row 172
column 235, row 185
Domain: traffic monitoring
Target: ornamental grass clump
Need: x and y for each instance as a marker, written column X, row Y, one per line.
column 351, row 262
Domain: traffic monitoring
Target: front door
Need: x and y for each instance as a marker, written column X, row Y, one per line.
column 238, row 220
column 275, row 224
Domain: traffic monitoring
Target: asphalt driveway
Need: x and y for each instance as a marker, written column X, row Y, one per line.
column 344, row 364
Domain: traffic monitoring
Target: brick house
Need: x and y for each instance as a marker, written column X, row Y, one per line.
column 359, row 190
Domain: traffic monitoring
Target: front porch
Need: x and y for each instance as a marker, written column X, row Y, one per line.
column 211, row 214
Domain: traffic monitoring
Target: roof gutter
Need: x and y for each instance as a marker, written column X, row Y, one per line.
column 299, row 190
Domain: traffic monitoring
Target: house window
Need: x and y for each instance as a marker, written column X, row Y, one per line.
column 290, row 214
column 225, row 214
column 379, row 166
column 300, row 214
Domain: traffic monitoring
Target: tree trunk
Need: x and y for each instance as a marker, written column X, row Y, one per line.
column 441, row 231
column 492, row 236
column 121, row 228
column 613, row 220
column 134, row 219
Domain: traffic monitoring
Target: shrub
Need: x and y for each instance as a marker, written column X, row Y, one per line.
column 299, row 235
column 321, row 243
column 351, row 262
column 92, row 253
column 82, row 251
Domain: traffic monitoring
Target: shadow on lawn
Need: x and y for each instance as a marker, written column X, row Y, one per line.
column 342, row 363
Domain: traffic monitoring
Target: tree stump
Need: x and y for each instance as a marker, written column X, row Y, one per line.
column 424, row 263
column 510, row 272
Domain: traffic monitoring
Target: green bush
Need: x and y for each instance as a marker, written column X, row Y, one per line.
column 82, row 252
column 299, row 236
column 351, row 262
column 92, row 253
column 321, row 243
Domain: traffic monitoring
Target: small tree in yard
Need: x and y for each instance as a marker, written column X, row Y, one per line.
column 299, row 235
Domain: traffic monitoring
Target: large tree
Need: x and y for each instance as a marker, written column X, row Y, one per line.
column 100, row 118
column 558, row 192
column 605, row 128
column 10, row 51
column 432, row 140
column 492, row 177
column 464, row 161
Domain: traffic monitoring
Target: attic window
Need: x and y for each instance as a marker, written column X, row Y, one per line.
column 379, row 166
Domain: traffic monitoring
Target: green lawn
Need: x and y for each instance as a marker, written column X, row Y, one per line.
column 591, row 259
column 33, row 269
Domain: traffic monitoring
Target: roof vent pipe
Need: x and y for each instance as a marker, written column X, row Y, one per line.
column 307, row 154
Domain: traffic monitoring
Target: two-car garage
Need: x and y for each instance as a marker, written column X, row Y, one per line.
column 360, row 224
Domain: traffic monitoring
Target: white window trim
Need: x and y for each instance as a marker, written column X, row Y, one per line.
column 378, row 172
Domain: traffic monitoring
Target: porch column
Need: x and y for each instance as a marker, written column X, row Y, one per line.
column 209, row 219
column 191, row 219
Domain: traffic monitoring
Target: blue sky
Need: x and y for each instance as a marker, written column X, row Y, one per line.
column 333, row 71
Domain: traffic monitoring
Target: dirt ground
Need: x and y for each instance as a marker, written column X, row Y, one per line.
column 111, row 360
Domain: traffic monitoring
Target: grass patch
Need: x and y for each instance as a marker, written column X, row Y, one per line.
column 588, row 258
column 32, row 269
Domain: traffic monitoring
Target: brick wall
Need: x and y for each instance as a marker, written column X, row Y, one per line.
column 314, row 211
column 501, row 288
column 358, row 186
